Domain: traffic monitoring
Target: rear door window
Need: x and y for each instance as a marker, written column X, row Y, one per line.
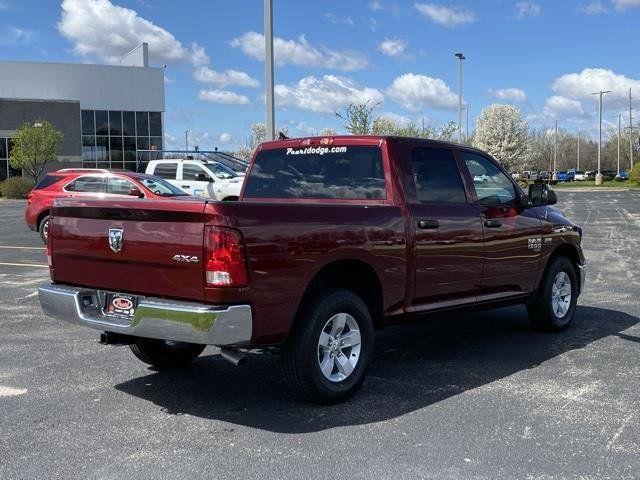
column 87, row 184
column 47, row 181
column 194, row 173
column 166, row 170
column 436, row 176
column 338, row 172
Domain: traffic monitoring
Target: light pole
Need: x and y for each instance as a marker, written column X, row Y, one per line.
column 461, row 57
column 619, row 128
column 555, row 153
column 578, row 165
column 268, row 69
column 186, row 140
column 630, row 132
column 600, row 94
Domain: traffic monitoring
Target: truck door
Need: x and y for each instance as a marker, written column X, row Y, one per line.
column 197, row 181
column 448, row 231
column 512, row 233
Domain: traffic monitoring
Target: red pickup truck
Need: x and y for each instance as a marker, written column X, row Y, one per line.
column 331, row 238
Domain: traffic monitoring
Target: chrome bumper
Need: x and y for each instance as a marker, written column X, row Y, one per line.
column 583, row 275
column 154, row 317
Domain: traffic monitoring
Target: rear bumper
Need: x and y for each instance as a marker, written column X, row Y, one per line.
column 229, row 325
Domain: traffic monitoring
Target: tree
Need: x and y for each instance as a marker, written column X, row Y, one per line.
column 502, row 131
column 34, row 145
column 358, row 118
column 257, row 135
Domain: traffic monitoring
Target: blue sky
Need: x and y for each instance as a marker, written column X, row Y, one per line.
column 544, row 56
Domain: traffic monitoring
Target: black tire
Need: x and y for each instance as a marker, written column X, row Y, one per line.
column 301, row 356
column 165, row 354
column 541, row 313
column 43, row 228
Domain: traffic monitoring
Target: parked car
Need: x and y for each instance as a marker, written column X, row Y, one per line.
column 530, row 175
column 571, row 175
column 590, row 174
column 608, row 174
column 516, row 175
column 483, row 178
column 543, row 175
column 561, row 176
column 205, row 179
column 89, row 183
column 622, row 176
column 332, row 238
column 579, row 176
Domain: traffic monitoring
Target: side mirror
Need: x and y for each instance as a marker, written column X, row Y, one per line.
column 541, row 194
column 136, row 192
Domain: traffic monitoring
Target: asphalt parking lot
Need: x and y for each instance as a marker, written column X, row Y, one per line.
column 465, row 396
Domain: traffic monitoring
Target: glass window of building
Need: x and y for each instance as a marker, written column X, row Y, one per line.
column 116, row 152
column 102, row 123
column 142, row 124
column 4, row 153
column 128, row 124
column 115, row 123
column 155, row 124
column 88, row 123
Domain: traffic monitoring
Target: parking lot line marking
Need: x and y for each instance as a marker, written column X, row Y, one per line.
column 24, row 265
column 22, row 248
column 11, row 392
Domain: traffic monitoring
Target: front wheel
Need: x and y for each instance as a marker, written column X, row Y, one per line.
column 327, row 355
column 554, row 306
column 165, row 354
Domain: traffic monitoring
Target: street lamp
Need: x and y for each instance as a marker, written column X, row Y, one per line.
column 461, row 57
column 268, row 70
column 600, row 94
column 186, row 140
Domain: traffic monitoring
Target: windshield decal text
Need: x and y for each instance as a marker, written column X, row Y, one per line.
column 315, row 150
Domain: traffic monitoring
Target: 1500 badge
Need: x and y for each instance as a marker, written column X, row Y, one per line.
column 535, row 244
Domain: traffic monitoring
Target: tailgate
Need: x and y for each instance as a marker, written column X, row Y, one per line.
column 147, row 247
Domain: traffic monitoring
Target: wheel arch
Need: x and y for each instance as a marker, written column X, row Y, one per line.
column 567, row 250
column 354, row 275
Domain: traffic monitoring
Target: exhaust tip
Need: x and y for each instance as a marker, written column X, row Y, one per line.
column 234, row 357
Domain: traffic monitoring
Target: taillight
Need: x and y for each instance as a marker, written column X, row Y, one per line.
column 225, row 264
column 29, row 198
column 49, row 257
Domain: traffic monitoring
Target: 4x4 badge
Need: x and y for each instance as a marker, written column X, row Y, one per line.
column 115, row 239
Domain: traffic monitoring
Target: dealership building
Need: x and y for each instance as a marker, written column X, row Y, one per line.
column 106, row 113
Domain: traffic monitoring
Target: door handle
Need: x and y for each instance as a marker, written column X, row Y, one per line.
column 185, row 186
column 492, row 223
column 428, row 224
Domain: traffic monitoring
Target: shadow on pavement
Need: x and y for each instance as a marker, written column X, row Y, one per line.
column 414, row 367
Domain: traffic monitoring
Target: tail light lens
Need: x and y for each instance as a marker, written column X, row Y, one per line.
column 225, row 264
column 49, row 255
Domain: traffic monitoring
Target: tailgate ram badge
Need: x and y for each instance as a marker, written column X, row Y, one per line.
column 115, row 239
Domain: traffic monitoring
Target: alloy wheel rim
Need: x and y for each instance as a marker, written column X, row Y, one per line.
column 561, row 294
column 45, row 229
column 339, row 347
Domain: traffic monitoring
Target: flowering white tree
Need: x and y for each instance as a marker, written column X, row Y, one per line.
column 502, row 131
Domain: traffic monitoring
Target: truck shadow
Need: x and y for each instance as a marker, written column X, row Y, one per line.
column 414, row 367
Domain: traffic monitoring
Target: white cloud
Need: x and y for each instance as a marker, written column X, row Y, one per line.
column 593, row 8
column 581, row 86
column 373, row 24
column 224, row 79
column 224, row 137
column 527, row 9
column 622, row 5
column 450, row 16
column 559, row 107
column 396, row 118
column 325, row 95
column 107, row 31
column 300, row 52
column 18, row 36
column 338, row 20
column 224, row 97
column 374, row 5
column 414, row 91
column 513, row 94
column 393, row 47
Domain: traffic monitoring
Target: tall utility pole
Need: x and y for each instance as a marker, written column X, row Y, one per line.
column 268, row 69
column 619, row 128
column 600, row 94
column 578, row 165
column 461, row 57
column 467, row 129
column 186, row 140
column 630, row 131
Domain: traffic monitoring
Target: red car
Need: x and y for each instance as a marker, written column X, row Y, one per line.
column 332, row 237
column 90, row 183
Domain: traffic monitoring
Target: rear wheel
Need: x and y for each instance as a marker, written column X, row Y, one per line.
column 327, row 355
column 166, row 353
column 554, row 306
column 43, row 228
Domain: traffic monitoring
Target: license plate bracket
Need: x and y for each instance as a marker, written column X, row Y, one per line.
column 120, row 305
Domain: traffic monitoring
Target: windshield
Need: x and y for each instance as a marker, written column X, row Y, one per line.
column 221, row 171
column 161, row 187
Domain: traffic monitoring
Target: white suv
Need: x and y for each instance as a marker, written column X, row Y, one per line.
column 204, row 179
